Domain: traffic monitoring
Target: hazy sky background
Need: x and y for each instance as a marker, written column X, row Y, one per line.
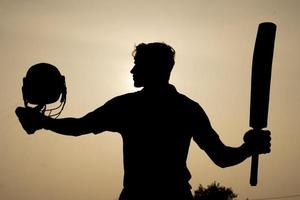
column 91, row 44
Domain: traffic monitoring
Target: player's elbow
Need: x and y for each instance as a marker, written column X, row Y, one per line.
column 220, row 158
column 76, row 134
column 222, row 163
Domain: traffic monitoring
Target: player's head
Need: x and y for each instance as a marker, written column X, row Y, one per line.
column 153, row 63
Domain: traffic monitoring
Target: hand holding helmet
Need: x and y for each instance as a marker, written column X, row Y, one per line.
column 30, row 118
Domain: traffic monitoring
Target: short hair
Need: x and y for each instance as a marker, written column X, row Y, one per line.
column 157, row 53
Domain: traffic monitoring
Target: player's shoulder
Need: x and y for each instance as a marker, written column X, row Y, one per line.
column 125, row 98
column 187, row 101
column 191, row 105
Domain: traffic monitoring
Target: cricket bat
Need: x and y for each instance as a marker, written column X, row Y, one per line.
column 260, row 84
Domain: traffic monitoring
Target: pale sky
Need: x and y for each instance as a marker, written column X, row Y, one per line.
column 91, row 44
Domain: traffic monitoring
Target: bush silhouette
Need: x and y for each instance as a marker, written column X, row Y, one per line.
column 214, row 192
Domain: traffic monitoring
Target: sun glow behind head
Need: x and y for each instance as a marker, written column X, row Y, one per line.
column 44, row 88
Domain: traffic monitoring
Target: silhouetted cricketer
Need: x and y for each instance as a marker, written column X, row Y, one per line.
column 156, row 125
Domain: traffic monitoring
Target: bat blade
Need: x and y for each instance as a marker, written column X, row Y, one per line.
column 261, row 75
column 260, row 84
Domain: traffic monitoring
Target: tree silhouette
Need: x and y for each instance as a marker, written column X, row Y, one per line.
column 214, row 192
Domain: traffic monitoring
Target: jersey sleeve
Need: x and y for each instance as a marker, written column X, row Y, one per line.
column 203, row 133
column 106, row 118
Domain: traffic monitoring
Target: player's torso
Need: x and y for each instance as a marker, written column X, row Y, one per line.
column 156, row 139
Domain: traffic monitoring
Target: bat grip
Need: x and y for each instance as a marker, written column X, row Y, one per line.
column 254, row 170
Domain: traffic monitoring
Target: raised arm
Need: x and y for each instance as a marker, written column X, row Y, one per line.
column 225, row 156
column 222, row 155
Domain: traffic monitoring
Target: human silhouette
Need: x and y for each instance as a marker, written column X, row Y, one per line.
column 156, row 124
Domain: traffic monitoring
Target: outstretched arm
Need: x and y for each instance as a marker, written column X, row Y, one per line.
column 105, row 118
column 32, row 120
column 67, row 126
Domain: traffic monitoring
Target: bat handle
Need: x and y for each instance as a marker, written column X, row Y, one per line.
column 254, row 170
